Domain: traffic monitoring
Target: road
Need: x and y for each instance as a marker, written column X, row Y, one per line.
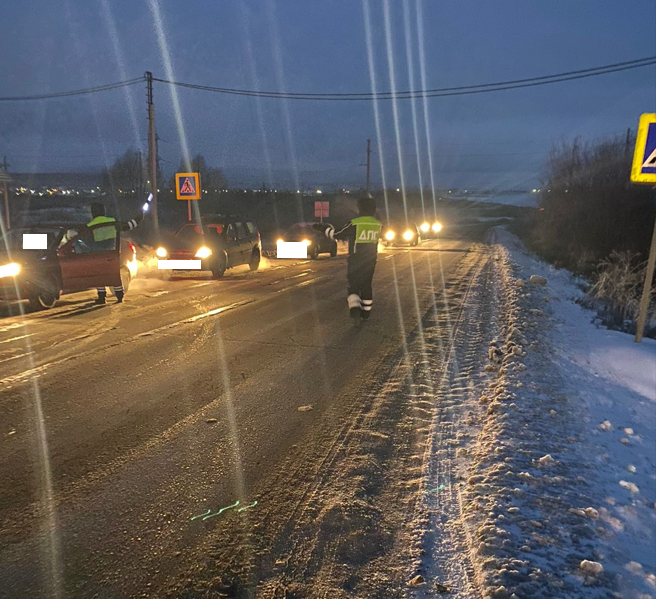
column 121, row 423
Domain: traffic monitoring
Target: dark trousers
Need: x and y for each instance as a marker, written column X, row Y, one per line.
column 102, row 291
column 360, row 275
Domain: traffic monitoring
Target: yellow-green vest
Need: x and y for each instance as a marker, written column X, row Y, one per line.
column 103, row 233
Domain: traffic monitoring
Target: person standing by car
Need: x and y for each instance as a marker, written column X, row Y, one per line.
column 107, row 236
column 362, row 234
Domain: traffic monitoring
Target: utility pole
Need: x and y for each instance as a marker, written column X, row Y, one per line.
column 152, row 147
column 368, row 166
column 4, row 179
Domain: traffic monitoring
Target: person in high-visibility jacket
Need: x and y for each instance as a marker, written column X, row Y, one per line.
column 106, row 236
column 362, row 234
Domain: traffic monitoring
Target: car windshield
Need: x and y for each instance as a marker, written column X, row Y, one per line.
column 16, row 239
column 301, row 229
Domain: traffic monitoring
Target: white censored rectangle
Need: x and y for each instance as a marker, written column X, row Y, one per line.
column 178, row 264
column 291, row 249
column 35, row 241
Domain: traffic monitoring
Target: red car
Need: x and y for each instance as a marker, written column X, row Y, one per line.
column 41, row 262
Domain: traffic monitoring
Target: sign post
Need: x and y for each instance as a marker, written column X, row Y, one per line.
column 643, row 171
column 321, row 210
column 4, row 179
column 187, row 187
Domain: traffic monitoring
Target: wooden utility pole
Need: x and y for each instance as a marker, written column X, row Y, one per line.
column 646, row 290
column 4, row 179
column 152, row 147
column 368, row 166
column 643, row 171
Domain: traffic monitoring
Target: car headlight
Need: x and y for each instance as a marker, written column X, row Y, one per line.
column 408, row 235
column 306, row 242
column 9, row 270
column 389, row 235
column 281, row 240
column 161, row 252
column 424, row 227
column 203, row 252
column 437, row 226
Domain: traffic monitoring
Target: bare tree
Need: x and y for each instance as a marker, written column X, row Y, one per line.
column 127, row 177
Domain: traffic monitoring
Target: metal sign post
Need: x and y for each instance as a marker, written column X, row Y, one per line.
column 643, row 171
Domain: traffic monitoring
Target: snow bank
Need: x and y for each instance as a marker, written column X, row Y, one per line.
column 561, row 490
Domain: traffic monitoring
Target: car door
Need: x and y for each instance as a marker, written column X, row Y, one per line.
column 243, row 238
column 232, row 245
column 86, row 263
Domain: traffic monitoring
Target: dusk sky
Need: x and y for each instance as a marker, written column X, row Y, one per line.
column 489, row 140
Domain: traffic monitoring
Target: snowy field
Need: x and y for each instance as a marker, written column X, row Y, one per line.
column 556, row 449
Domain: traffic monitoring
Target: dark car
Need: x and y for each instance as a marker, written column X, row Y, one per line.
column 316, row 240
column 218, row 242
column 398, row 233
column 430, row 228
column 67, row 259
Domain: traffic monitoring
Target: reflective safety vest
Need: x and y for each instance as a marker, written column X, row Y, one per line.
column 103, row 233
column 367, row 229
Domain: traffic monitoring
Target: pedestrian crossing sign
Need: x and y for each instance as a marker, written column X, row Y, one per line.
column 644, row 157
column 187, row 186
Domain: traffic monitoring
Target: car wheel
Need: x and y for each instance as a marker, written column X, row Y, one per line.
column 219, row 270
column 44, row 297
column 313, row 252
column 126, row 277
column 254, row 263
column 333, row 251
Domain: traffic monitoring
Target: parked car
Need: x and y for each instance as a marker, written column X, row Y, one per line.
column 70, row 260
column 399, row 233
column 219, row 242
column 317, row 242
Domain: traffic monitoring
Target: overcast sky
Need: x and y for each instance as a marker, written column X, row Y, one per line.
column 498, row 139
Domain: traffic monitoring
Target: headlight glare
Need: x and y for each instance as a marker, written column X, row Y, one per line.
column 389, row 235
column 161, row 252
column 437, row 226
column 9, row 270
column 408, row 235
column 424, row 227
column 203, row 252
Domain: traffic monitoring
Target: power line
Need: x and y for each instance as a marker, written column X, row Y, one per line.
column 360, row 96
column 76, row 92
column 429, row 93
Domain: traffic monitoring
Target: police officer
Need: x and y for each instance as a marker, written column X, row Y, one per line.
column 362, row 234
column 106, row 236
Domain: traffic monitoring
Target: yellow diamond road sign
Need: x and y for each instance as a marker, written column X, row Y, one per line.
column 643, row 169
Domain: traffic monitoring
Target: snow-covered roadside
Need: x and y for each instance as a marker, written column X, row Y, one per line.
column 561, row 477
column 612, row 383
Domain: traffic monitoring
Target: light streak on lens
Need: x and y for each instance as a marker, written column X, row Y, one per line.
column 374, row 87
column 280, row 80
column 411, row 73
column 258, row 101
column 120, row 64
column 395, row 108
column 422, row 71
column 168, row 68
column 50, row 524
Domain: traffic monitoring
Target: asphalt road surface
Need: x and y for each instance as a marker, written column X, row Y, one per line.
column 121, row 423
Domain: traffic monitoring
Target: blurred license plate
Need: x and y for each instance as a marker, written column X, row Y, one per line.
column 291, row 249
column 178, row 264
